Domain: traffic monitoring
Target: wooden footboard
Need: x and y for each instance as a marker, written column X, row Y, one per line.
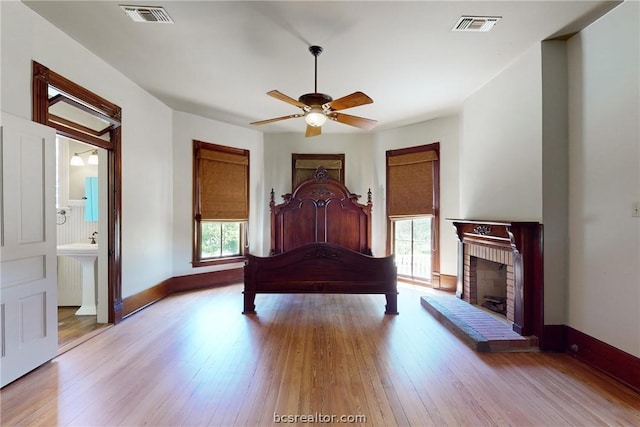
column 320, row 268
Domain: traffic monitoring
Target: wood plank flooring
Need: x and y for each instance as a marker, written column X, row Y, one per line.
column 194, row 360
column 73, row 330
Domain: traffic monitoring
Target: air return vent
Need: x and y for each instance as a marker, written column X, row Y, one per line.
column 476, row 23
column 147, row 14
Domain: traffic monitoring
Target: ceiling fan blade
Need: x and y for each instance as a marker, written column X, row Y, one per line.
column 359, row 122
column 313, row 131
column 277, row 119
column 282, row 97
column 349, row 101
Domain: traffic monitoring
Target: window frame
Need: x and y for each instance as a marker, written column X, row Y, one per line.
column 197, row 259
column 241, row 236
column 435, row 222
column 320, row 160
column 412, row 277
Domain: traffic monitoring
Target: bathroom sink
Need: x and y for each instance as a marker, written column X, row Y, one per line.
column 86, row 254
column 78, row 249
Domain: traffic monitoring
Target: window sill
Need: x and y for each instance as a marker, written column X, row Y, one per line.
column 218, row 261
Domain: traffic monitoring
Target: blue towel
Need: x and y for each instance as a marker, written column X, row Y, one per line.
column 91, row 203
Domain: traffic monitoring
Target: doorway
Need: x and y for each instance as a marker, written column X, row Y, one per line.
column 86, row 118
column 81, row 213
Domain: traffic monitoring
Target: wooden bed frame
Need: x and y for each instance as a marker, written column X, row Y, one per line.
column 320, row 243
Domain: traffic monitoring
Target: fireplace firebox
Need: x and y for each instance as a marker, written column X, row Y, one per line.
column 517, row 247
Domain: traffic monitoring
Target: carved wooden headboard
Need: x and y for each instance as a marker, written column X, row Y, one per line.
column 321, row 210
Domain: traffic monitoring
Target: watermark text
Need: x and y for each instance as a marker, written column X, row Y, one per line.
column 318, row 418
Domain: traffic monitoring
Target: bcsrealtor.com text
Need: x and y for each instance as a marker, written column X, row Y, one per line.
column 318, row 418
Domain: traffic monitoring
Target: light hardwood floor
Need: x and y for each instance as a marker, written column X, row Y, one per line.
column 74, row 330
column 193, row 359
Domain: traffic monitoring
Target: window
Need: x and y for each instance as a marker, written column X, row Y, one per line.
column 303, row 167
column 220, row 239
column 221, row 203
column 412, row 211
column 412, row 247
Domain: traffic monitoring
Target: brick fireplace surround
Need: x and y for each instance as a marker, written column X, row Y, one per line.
column 518, row 245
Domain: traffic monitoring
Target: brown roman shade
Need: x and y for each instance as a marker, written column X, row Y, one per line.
column 223, row 185
column 313, row 164
column 410, row 183
column 305, row 165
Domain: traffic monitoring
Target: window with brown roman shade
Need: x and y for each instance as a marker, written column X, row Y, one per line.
column 220, row 201
column 223, row 186
column 410, row 183
column 413, row 199
column 305, row 165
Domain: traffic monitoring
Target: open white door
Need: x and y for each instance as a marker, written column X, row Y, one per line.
column 28, row 271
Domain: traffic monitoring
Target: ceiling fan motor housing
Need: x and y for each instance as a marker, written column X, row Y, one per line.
column 315, row 99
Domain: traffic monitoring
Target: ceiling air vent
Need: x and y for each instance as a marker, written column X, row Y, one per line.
column 147, row 14
column 476, row 23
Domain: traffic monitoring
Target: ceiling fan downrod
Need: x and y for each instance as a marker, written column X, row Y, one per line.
column 315, row 51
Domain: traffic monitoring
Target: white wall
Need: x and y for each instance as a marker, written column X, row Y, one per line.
column 514, row 157
column 500, row 150
column 146, row 135
column 513, row 139
column 555, row 179
column 446, row 131
column 356, row 147
column 604, row 179
column 186, row 128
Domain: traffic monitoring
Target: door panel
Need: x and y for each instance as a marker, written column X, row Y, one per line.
column 28, row 270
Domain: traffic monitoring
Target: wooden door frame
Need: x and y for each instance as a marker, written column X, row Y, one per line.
column 42, row 78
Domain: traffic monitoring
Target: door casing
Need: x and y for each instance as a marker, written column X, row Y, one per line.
column 42, row 78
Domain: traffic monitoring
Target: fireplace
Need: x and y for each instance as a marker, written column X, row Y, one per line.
column 516, row 249
column 493, row 285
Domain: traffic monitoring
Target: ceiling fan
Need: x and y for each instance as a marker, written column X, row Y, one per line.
column 318, row 107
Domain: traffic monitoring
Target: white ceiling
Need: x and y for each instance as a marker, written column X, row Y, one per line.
column 219, row 59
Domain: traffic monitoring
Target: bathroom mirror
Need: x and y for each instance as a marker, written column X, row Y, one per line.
column 76, row 184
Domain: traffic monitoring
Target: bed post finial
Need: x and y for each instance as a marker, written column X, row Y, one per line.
column 369, row 202
column 272, row 200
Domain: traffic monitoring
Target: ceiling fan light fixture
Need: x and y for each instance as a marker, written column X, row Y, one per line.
column 315, row 117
